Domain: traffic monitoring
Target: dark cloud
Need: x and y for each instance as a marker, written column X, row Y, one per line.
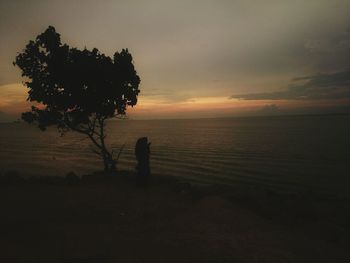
column 327, row 50
column 336, row 42
column 270, row 109
column 322, row 86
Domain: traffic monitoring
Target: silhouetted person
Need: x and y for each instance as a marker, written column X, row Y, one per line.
column 142, row 152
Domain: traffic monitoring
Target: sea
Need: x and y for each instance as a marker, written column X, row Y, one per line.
column 309, row 153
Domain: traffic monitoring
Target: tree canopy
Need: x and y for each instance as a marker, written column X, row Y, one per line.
column 77, row 89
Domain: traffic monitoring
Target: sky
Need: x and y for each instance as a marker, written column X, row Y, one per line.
column 200, row 58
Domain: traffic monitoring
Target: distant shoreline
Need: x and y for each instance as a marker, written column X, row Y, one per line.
column 214, row 118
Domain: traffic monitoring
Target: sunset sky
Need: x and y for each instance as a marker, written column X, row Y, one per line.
column 216, row 58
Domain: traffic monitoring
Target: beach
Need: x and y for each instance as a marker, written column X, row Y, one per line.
column 117, row 218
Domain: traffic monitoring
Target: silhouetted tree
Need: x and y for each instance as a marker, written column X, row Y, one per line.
column 77, row 90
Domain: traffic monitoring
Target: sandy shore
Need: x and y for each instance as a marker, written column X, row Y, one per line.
column 119, row 219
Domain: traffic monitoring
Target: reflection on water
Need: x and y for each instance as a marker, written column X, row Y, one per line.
column 293, row 151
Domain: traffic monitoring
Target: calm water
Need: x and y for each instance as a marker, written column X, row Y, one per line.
column 285, row 152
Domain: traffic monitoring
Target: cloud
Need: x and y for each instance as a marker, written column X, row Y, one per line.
column 337, row 42
column 322, row 86
column 270, row 109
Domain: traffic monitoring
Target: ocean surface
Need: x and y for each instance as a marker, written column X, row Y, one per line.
column 293, row 152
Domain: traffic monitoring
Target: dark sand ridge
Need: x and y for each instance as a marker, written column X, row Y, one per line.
column 117, row 219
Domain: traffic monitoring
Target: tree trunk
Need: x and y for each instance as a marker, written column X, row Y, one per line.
column 98, row 139
column 105, row 163
column 109, row 163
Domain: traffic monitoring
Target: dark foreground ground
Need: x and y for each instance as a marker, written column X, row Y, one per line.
column 118, row 219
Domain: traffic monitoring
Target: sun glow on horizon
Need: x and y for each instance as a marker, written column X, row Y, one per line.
column 13, row 101
column 13, row 98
